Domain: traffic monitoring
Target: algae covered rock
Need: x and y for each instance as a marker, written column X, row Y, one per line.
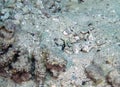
column 6, row 38
column 6, row 58
column 6, row 42
column 39, row 68
column 21, row 60
column 72, row 30
column 20, row 77
column 54, row 63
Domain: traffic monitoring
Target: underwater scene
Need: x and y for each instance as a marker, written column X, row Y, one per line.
column 59, row 43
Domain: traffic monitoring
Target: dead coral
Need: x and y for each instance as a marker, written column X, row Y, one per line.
column 6, row 51
column 6, row 58
column 19, row 77
column 6, row 33
column 40, row 70
column 14, row 60
column 3, row 72
column 54, row 63
column 21, row 61
column 17, row 64
column 20, row 65
column 6, row 39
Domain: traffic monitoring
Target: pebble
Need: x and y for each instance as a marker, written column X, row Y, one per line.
column 90, row 37
column 76, row 38
column 65, row 33
column 86, row 48
column 76, row 48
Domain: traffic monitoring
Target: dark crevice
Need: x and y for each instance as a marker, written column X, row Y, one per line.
column 49, row 72
column 64, row 45
column 80, row 1
column 32, row 67
column 5, row 49
column 83, row 82
column 10, row 66
column 16, row 56
column 1, row 35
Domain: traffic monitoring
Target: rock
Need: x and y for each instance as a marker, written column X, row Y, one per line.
column 10, row 26
column 20, row 77
column 21, row 61
column 6, row 33
column 39, row 67
column 76, row 48
column 6, row 38
column 113, row 78
column 87, row 47
column 6, row 57
column 95, row 73
column 54, row 63
column 3, row 73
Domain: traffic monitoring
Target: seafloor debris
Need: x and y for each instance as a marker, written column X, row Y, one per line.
column 21, row 60
column 54, row 63
column 79, row 41
column 105, row 68
column 15, row 65
column 21, row 65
